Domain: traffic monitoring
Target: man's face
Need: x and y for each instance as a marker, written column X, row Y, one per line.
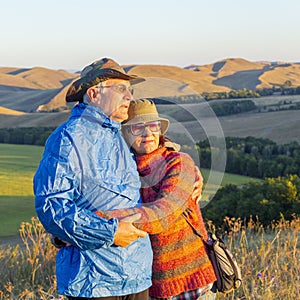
column 113, row 98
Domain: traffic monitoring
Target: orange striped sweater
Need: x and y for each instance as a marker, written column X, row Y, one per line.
column 180, row 262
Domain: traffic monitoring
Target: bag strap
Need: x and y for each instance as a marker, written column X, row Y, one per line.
column 196, row 231
column 185, row 215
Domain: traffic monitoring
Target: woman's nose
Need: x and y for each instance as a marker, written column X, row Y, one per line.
column 147, row 131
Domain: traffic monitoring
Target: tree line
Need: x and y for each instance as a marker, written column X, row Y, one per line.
column 25, row 135
column 233, row 107
column 255, row 157
column 283, row 89
column 233, row 94
column 250, row 156
column 269, row 200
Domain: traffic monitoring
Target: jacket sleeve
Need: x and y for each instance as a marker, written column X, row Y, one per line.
column 57, row 185
column 172, row 198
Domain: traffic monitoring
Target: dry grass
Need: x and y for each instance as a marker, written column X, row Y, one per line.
column 10, row 112
column 232, row 66
column 269, row 259
column 281, row 127
column 27, row 89
column 279, row 75
column 36, row 78
column 198, row 82
column 13, row 81
column 27, row 269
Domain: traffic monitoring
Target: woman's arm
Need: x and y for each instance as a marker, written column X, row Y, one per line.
column 172, row 198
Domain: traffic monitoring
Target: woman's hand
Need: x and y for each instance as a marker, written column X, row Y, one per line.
column 127, row 232
column 197, row 192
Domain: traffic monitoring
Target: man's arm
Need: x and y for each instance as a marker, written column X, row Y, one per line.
column 126, row 233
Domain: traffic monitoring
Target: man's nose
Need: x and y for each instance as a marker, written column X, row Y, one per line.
column 128, row 95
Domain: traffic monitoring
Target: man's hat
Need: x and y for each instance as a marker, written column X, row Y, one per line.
column 95, row 73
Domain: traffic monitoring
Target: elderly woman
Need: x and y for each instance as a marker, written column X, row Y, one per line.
column 181, row 267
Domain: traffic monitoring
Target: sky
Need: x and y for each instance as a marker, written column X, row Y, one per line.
column 70, row 34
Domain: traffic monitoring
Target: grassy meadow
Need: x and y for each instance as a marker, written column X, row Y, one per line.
column 269, row 257
column 17, row 166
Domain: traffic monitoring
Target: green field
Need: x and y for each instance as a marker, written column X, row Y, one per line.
column 17, row 167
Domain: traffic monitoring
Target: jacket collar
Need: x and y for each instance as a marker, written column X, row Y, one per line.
column 96, row 114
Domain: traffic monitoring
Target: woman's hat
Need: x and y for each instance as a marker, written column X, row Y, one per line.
column 142, row 111
column 95, row 73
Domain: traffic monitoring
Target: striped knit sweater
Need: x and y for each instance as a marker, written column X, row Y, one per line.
column 180, row 262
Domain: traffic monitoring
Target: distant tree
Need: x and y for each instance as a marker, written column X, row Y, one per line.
column 268, row 200
column 25, row 135
column 256, row 157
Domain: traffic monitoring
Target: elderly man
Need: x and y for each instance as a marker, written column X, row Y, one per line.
column 87, row 167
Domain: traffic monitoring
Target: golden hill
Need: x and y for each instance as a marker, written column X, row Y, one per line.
column 36, row 78
column 7, row 111
column 40, row 89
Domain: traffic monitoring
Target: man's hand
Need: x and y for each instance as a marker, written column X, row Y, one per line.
column 127, row 232
column 197, row 192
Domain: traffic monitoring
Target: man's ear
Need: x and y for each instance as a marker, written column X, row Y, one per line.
column 92, row 92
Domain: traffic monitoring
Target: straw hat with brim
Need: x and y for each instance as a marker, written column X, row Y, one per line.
column 95, row 73
column 143, row 111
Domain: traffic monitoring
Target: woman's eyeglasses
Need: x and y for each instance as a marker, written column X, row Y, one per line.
column 119, row 88
column 139, row 129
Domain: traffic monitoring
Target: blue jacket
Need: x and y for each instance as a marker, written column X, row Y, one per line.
column 87, row 166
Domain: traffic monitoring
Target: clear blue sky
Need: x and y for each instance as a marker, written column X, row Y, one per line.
column 69, row 34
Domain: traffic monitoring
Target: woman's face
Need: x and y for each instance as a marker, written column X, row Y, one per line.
column 143, row 137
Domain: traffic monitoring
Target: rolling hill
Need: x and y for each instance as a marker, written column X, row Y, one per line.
column 41, row 89
column 36, row 96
